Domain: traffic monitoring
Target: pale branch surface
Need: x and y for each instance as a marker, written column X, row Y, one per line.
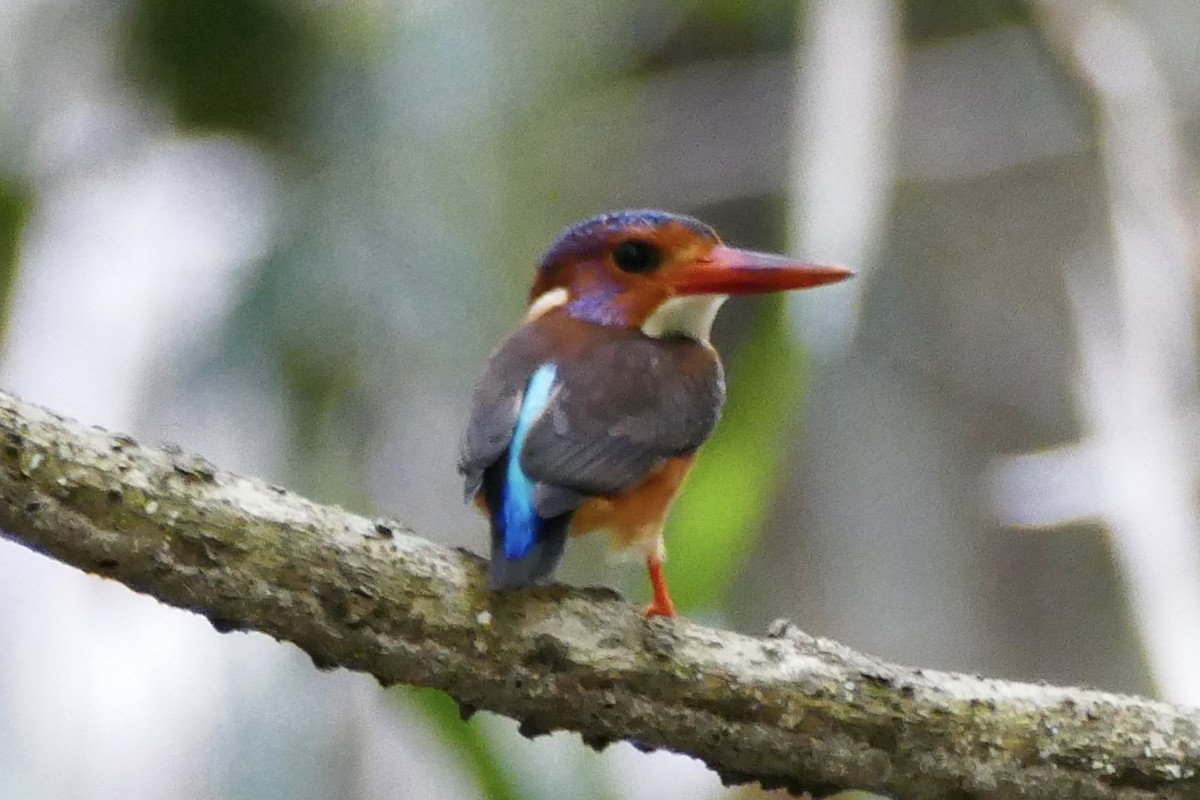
column 787, row 710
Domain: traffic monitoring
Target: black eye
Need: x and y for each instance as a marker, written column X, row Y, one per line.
column 635, row 256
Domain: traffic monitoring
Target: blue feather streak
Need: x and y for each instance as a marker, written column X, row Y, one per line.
column 520, row 517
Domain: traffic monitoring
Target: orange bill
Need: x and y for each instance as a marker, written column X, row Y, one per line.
column 729, row 270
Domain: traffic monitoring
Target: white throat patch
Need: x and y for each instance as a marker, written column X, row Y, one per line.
column 690, row 316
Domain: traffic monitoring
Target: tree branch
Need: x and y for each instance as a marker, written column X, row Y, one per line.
column 788, row 710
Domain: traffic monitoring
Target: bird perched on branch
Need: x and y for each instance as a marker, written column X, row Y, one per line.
column 588, row 416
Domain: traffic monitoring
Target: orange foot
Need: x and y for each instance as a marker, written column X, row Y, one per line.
column 661, row 605
column 657, row 609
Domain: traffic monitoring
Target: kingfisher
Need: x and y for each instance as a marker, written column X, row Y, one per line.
column 588, row 416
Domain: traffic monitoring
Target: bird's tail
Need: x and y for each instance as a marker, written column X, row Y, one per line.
column 536, row 566
column 538, row 545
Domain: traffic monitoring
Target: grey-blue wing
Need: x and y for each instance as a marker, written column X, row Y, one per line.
column 625, row 404
column 496, row 404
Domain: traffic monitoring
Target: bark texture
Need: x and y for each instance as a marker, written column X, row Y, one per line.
column 787, row 710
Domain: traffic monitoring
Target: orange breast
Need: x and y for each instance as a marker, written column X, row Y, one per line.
column 637, row 515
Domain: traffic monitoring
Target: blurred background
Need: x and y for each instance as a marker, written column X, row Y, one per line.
column 286, row 233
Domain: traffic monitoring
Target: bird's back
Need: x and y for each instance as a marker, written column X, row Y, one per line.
column 567, row 411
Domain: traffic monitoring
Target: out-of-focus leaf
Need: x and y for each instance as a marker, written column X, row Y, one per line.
column 938, row 19
column 718, row 517
column 711, row 29
column 473, row 748
column 223, row 64
column 15, row 202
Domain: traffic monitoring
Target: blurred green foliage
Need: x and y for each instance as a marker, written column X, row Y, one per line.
column 939, row 19
column 16, row 201
column 712, row 29
column 475, row 751
column 236, row 65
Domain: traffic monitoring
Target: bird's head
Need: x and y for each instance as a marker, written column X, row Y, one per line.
column 662, row 273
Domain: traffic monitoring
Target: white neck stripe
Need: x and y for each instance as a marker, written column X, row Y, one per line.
column 546, row 301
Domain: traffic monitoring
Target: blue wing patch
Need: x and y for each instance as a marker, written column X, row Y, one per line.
column 520, row 517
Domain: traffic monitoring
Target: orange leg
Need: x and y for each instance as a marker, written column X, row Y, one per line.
column 661, row 605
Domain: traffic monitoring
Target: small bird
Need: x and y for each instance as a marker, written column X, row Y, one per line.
column 589, row 415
